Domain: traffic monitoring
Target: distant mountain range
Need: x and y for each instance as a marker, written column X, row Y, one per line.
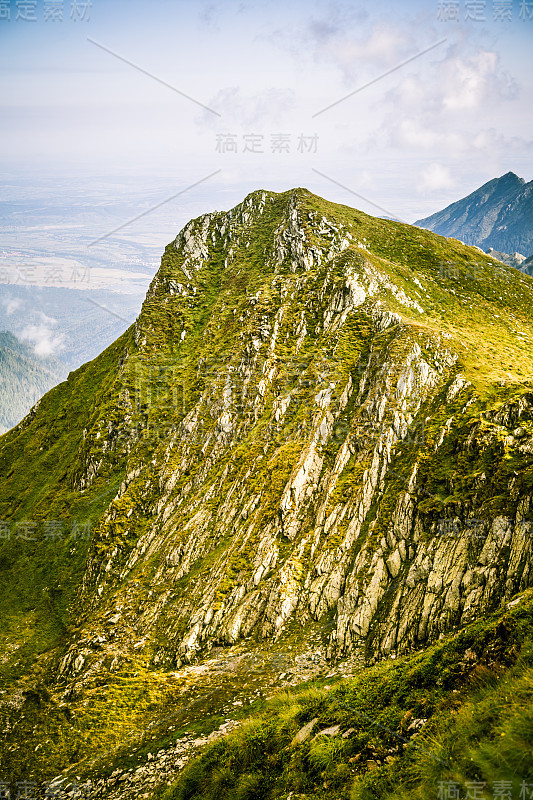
column 498, row 215
column 516, row 260
column 24, row 378
column 527, row 265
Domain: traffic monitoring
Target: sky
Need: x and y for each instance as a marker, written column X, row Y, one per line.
column 397, row 109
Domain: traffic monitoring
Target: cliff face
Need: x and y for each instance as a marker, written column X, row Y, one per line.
column 321, row 421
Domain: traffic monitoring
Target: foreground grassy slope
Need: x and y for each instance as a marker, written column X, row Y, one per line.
column 454, row 717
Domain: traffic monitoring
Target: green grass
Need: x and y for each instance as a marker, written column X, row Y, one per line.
column 472, row 690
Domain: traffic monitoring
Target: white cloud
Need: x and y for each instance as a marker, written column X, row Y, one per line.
column 456, row 83
column 450, row 110
column 456, row 101
column 382, row 49
column 249, row 110
column 434, row 178
column 209, row 16
column 11, row 304
column 357, row 51
column 419, row 134
column 45, row 341
column 468, row 83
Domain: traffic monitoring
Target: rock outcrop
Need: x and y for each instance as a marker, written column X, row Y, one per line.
column 299, row 439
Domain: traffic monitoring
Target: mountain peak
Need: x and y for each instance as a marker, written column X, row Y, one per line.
column 499, row 215
column 286, row 447
column 512, row 177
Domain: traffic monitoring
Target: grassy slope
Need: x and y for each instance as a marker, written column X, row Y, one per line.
column 39, row 463
column 484, row 306
column 472, row 691
column 487, row 310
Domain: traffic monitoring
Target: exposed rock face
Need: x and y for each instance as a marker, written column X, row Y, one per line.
column 512, row 259
column 250, row 480
column 297, row 442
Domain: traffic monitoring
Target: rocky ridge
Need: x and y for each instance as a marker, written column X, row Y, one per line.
column 298, row 442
